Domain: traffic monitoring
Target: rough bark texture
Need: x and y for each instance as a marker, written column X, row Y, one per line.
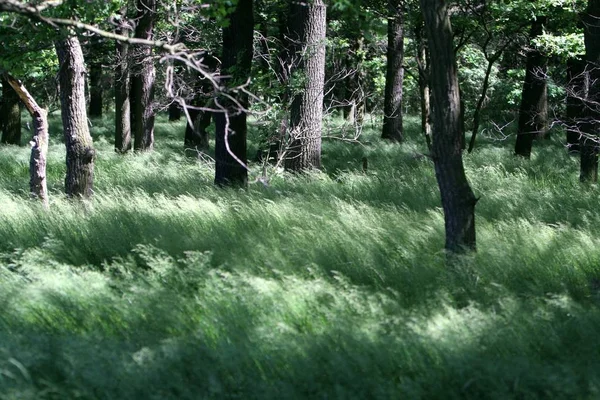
column 308, row 22
column 533, row 113
column 95, row 110
column 230, row 125
column 122, row 101
column 80, row 148
column 10, row 115
column 591, row 123
column 576, row 93
column 142, row 79
column 39, row 141
column 458, row 200
column 392, row 118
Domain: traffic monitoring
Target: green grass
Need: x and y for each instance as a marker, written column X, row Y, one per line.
column 331, row 285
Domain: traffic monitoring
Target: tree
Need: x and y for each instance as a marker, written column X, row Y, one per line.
column 458, row 200
column 533, row 113
column 39, row 143
column 589, row 139
column 230, row 121
column 142, row 79
column 122, row 89
column 10, row 115
column 576, row 92
column 308, row 27
column 392, row 118
column 80, row 149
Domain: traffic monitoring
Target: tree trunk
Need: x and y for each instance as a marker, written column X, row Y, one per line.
column 533, row 113
column 458, row 200
column 576, row 93
column 423, row 63
column 122, row 101
column 589, row 139
column 196, row 136
column 11, row 115
column 142, row 79
column 39, row 142
column 95, row 90
column 80, row 149
column 174, row 112
column 308, row 33
column 230, row 124
column 392, row 118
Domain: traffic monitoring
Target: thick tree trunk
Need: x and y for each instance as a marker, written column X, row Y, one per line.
column 174, row 112
column 230, row 124
column 11, row 115
column 142, row 79
column 533, row 113
column 576, row 93
column 39, row 142
column 458, row 200
column 392, row 110
column 309, row 26
column 95, row 90
column 122, row 101
column 422, row 58
column 591, row 124
column 80, row 148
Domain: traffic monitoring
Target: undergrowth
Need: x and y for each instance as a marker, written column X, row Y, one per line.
column 326, row 285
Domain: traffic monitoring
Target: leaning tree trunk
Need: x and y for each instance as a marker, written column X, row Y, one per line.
column 39, row 142
column 458, row 200
column 308, row 34
column 533, row 113
column 392, row 110
column 142, row 79
column 589, row 139
column 576, row 93
column 80, row 148
column 122, row 103
column 11, row 115
column 230, row 123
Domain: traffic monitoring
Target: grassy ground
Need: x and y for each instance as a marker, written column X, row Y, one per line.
column 324, row 286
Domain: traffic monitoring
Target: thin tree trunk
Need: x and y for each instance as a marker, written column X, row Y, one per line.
column 142, row 79
column 392, row 118
column 309, row 27
column 174, row 112
column 458, row 200
column 576, row 93
column 230, row 124
column 95, row 90
column 122, row 101
column 591, row 124
column 39, row 142
column 423, row 63
column 479, row 106
column 533, row 113
column 11, row 115
column 80, row 148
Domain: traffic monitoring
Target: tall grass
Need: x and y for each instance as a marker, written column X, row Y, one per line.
column 328, row 285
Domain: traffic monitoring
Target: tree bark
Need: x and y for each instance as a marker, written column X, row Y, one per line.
column 308, row 34
column 458, row 200
column 533, row 113
column 422, row 58
column 11, row 115
column 122, row 100
column 142, row 79
column 174, row 112
column 95, row 110
column 576, row 93
column 392, row 118
column 591, row 123
column 39, row 142
column 230, row 124
column 80, row 148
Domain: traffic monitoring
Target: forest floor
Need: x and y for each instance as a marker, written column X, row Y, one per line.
column 328, row 285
